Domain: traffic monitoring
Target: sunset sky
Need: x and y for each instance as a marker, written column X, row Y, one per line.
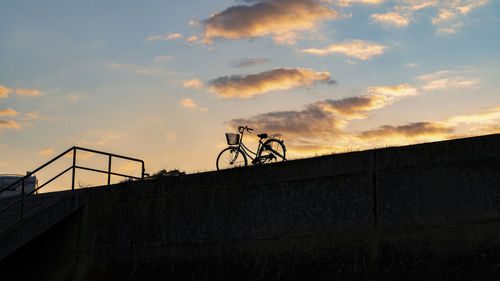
column 164, row 80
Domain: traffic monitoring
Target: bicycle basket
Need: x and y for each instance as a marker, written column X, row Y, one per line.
column 232, row 138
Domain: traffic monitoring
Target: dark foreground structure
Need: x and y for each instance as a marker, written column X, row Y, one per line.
column 422, row 212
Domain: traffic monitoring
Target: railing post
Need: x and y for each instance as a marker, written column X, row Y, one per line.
column 74, row 167
column 109, row 170
column 22, row 199
column 142, row 174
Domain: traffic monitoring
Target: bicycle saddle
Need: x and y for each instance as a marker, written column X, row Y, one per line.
column 262, row 136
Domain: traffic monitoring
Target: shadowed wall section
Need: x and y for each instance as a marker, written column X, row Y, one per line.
column 423, row 212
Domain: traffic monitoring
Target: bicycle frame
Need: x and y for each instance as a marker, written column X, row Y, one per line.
column 247, row 151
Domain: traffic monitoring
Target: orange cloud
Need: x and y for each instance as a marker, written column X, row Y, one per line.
column 46, row 151
column 354, row 107
column 488, row 117
column 4, row 91
column 359, row 49
column 189, row 103
column 392, row 18
column 193, row 83
column 280, row 18
column 345, row 3
column 310, row 122
column 9, row 124
column 166, row 36
column 27, row 92
column 247, row 86
column 410, row 130
column 450, row 13
column 446, row 79
column 402, row 90
column 8, row 112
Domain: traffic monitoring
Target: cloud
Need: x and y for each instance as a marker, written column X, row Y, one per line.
column 4, row 91
column 489, row 117
column 247, row 86
column 354, row 107
column 280, row 18
column 450, row 14
column 314, row 120
column 8, row 112
column 192, row 39
column 392, row 18
column 410, row 130
column 189, row 103
column 446, row 83
column 193, row 83
column 433, row 75
column 360, row 49
column 9, row 124
column 166, row 36
column 346, row 3
column 402, row 90
column 446, row 79
column 2, row 164
column 46, row 151
column 248, row 62
column 27, row 92
column 444, row 15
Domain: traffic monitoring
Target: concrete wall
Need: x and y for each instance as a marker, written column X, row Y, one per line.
column 424, row 212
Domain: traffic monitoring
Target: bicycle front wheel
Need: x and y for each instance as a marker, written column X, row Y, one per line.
column 273, row 150
column 231, row 157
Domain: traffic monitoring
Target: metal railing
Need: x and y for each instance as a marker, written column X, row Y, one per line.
column 73, row 168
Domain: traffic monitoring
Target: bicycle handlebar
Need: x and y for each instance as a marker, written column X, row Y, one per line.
column 241, row 129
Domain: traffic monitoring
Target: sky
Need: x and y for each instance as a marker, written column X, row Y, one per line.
column 164, row 80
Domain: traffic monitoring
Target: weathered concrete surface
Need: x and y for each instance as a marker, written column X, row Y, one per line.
column 424, row 212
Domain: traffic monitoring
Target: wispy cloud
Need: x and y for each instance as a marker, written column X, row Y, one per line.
column 166, row 36
column 446, row 79
column 4, row 92
column 394, row 91
column 8, row 112
column 450, row 14
column 189, row 103
column 281, row 19
column 359, row 49
column 247, row 86
column 489, row 117
column 345, row 3
column 410, row 130
column 354, row 107
column 27, row 92
column 193, row 83
column 9, row 124
column 46, row 151
column 246, row 62
column 392, row 18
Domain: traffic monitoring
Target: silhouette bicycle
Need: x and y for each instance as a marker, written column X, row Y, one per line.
column 270, row 149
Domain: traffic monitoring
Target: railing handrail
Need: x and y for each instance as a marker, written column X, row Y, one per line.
column 72, row 167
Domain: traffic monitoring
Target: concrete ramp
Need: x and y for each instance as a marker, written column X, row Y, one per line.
column 41, row 212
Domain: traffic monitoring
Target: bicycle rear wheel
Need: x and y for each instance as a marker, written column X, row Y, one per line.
column 273, row 150
column 231, row 157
